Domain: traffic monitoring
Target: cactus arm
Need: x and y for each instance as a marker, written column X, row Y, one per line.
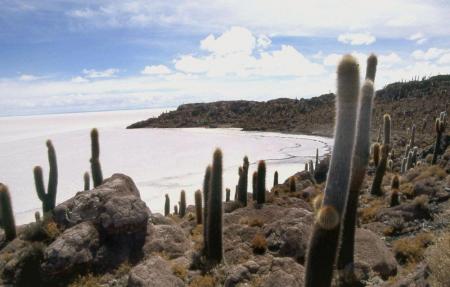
column 39, row 182
column 53, row 176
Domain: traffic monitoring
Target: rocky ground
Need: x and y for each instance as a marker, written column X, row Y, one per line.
column 108, row 237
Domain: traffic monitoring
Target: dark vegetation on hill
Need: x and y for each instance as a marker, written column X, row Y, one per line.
column 395, row 225
column 409, row 102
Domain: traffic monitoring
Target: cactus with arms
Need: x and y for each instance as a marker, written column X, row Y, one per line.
column 48, row 198
column 96, row 168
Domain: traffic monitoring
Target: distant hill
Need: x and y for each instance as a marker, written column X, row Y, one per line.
column 410, row 102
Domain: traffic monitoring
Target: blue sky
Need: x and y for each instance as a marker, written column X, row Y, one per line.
column 71, row 56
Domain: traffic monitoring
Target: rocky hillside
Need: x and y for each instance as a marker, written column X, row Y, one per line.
column 410, row 102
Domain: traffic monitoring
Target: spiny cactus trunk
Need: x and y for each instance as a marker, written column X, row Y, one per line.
column 359, row 165
column 87, row 183
column 379, row 173
column 325, row 236
column 96, row 169
column 198, row 206
column 214, row 255
column 167, row 206
column 7, row 215
column 182, row 204
column 261, row 183
column 206, row 181
column 242, row 192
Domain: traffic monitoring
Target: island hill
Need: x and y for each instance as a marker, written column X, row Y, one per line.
column 407, row 102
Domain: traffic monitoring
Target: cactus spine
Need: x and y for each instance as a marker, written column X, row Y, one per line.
column 359, row 165
column 325, row 236
column 261, row 183
column 275, row 178
column 394, row 200
column 87, row 184
column 96, row 168
column 167, row 206
column 214, row 231
column 7, row 215
column 182, row 204
column 198, row 206
column 384, row 154
column 206, row 180
column 48, row 199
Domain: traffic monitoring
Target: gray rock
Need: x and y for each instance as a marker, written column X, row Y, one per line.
column 153, row 272
column 237, row 274
column 74, row 249
column 168, row 239
column 284, row 272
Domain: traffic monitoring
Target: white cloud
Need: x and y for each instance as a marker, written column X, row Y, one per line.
column 234, row 53
column 356, row 38
column 419, row 38
column 79, row 79
column 430, row 54
column 156, row 70
column 28, row 77
column 445, row 59
column 108, row 73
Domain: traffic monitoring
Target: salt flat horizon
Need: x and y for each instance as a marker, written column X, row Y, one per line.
column 159, row 161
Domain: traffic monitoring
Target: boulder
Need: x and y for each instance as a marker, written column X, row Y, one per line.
column 168, row 239
column 153, row 272
column 284, row 272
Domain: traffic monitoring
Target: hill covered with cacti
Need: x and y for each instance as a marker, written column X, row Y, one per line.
column 407, row 102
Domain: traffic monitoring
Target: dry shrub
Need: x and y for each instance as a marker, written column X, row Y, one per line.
column 259, row 244
column 197, row 236
column 179, row 271
column 438, row 259
column 88, row 280
column 411, row 249
column 203, row 281
column 255, row 222
column 407, row 189
column 368, row 213
column 432, row 171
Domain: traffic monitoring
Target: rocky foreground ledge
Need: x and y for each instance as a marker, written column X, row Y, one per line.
column 108, row 237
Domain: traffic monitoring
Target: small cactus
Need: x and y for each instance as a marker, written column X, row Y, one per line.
column 227, row 194
column 380, row 171
column 37, row 216
column 387, row 129
column 7, row 215
column 214, row 253
column 167, row 206
column 96, row 168
column 292, row 186
column 175, row 209
column 275, row 178
column 48, row 198
column 261, row 184
column 440, row 127
column 198, row 206
column 394, row 200
column 182, row 204
column 86, row 181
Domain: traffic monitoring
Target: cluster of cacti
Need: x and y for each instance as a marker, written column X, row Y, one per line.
column 7, row 215
column 96, row 169
column 275, row 178
column 261, row 183
column 48, row 198
column 394, row 200
column 382, row 157
column 440, row 124
column 324, row 241
column 167, row 206
column 213, row 238
column 182, row 211
column 198, row 206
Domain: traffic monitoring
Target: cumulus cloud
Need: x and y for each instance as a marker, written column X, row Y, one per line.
column 419, row 38
column 156, row 70
column 430, row 54
column 28, row 77
column 108, row 73
column 356, row 38
column 234, row 53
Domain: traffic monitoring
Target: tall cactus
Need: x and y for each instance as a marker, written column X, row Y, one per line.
column 227, row 194
column 376, row 154
column 7, row 215
column 317, row 157
column 86, row 179
column 245, row 167
column 440, row 127
column 359, row 166
column 182, row 203
column 275, row 178
column 325, row 235
column 167, row 206
column 48, row 199
column 261, row 183
column 206, row 180
column 242, row 194
column 96, row 168
column 198, row 206
column 254, row 185
column 214, row 231
column 384, row 154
